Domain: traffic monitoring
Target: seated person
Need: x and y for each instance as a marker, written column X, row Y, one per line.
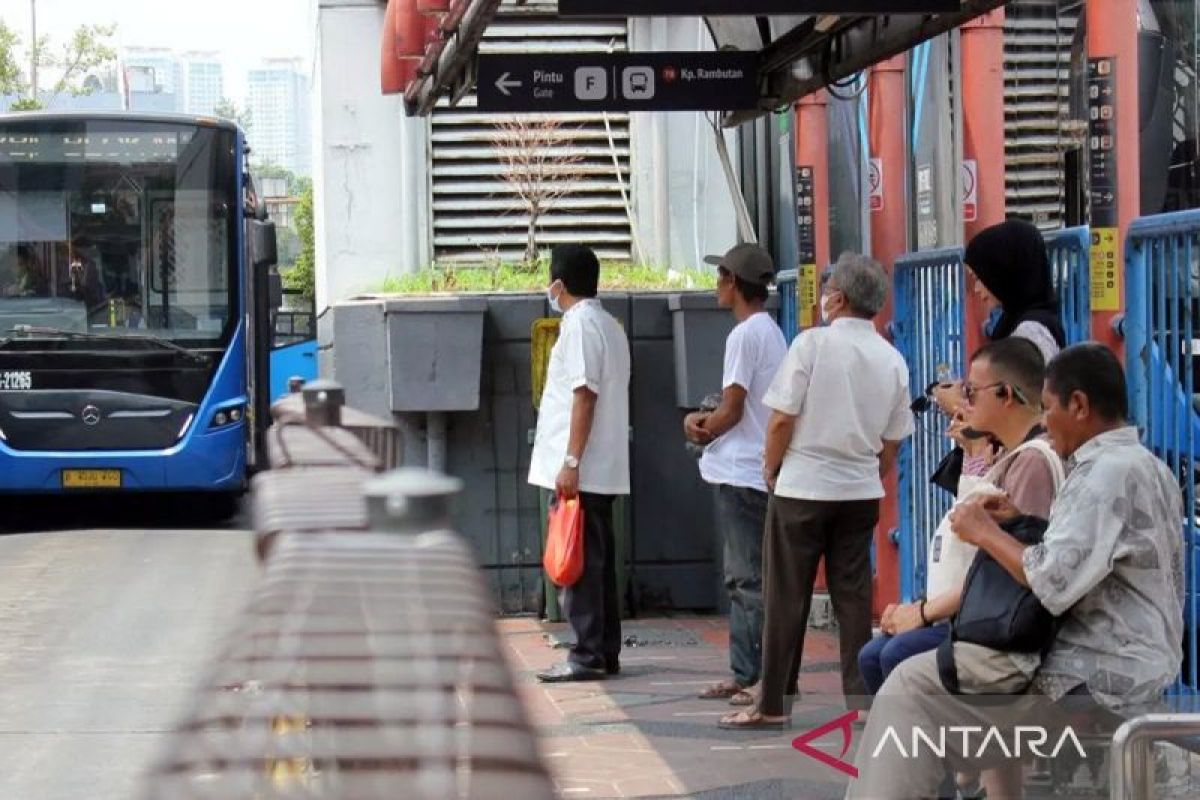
column 1002, row 398
column 1110, row 565
column 32, row 278
column 83, row 282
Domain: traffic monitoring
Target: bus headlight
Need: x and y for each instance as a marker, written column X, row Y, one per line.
column 228, row 416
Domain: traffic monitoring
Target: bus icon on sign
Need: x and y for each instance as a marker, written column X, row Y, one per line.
column 638, row 83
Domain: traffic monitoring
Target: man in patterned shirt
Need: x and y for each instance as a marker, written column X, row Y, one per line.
column 1110, row 564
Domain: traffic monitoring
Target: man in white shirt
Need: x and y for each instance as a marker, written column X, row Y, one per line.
column 841, row 409
column 735, row 435
column 582, row 449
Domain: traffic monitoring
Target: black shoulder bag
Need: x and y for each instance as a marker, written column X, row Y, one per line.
column 996, row 611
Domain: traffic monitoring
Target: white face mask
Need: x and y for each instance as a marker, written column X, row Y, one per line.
column 552, row 298
column 825, row 312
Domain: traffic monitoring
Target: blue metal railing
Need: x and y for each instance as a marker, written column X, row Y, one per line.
column 929, row 332
column 1070, row 251
column 787, row 283
column 1162, row 292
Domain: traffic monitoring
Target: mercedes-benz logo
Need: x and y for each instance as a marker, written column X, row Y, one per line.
column 90, row 415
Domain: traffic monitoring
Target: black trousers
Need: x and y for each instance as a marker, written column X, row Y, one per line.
column 798, row 534
column 592, row 605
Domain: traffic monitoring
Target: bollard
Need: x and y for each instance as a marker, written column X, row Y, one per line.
column 295, row 384
column 323, row 401
column 411, row 500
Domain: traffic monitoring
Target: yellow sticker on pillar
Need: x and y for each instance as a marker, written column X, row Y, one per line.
column 806, row 295
column 1106, row 270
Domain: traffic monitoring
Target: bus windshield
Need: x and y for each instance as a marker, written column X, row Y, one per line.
column 118, row 227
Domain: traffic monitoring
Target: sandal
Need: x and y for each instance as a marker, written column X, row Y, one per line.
column 721, row 691
column 752, row 721
column 745, row 697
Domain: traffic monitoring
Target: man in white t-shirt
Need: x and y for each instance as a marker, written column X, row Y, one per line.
column 840, row 410
column 735, row 434
column 582, row 449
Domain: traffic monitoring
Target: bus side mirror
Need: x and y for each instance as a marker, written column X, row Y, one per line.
column 275, row 288
column 263, row 247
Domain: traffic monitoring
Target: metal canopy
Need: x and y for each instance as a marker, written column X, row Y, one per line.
column 800, row 54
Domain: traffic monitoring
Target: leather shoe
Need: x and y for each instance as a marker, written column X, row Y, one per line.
column 567, row 671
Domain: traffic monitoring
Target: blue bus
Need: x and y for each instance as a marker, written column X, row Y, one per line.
column 137, row 290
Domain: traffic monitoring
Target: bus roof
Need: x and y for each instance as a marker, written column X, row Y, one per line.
column 117, row 116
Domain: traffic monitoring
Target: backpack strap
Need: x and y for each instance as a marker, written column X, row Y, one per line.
column 1057, row 471
column 947, row 669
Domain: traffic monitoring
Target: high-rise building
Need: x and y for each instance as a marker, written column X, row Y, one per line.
column 204, row 78
column 280, row 115
column 155, row 70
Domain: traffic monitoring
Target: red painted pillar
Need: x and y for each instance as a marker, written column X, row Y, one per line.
column 888, row 122
column 983, row 142
column 1114, row 142
column 812, row 165
column 812, row 153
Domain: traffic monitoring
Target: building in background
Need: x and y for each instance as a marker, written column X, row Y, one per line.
column 204, row 82
column 154, row 71
column 280, row 115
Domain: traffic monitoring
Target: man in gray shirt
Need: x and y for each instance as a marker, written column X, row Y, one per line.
column 1110, row 563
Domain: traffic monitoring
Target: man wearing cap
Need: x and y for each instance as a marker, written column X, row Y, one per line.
column 735, row 435
column 840, row 408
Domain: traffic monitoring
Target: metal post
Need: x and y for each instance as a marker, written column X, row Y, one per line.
column 983, row 138
column 812, row 152
column 888, row 122
column 1131, row 759
column 295, row 384
column 411, row 500
column 1112, row 34
column 323, row 401
column 435, row 440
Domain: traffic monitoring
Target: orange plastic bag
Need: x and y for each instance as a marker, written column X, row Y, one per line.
column 563, row 559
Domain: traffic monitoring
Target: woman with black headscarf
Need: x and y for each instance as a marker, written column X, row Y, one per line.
column 1013, row 279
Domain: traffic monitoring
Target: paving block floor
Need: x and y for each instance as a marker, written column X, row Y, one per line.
column 646, row 734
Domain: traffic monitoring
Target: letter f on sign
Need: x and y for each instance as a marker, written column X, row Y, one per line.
column 843, row 724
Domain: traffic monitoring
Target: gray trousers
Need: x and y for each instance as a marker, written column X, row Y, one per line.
column 741, row 515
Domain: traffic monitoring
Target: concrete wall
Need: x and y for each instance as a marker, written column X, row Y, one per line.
column 675, row 560
column 371, row 176
column 681, row 200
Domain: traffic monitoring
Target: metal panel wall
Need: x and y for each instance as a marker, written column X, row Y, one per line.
column 477, row 216
column 1037, row 125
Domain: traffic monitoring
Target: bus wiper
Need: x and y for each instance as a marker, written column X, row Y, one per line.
column 36, row 330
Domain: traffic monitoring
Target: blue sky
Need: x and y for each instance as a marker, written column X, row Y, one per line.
column 243, row 31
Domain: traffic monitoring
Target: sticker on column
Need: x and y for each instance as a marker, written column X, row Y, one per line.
column 1106, row 270
column 875, row 183
column 970, row 189
column 806, row 294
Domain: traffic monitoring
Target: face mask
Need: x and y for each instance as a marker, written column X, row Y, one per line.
column 552, row 298
column 825, row 312
column 992, row 322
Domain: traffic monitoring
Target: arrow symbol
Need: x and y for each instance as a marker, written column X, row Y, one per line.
column 504, row 84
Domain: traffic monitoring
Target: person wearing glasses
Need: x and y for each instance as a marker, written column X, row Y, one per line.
column 1002, row 397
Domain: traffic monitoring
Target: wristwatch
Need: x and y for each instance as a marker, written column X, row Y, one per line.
column 571, row 462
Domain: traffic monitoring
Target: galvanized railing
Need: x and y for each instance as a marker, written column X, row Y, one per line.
column 929, row 332
column 1162, row 279
column 1070, row 257
column 366, row 664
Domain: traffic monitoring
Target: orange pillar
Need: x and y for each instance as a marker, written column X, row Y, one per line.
column 888, row 122
column 1115, row 167
column 812, row 154
column 983, row 141
column 812, row 165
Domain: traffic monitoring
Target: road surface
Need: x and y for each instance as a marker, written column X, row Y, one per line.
column 103, row 634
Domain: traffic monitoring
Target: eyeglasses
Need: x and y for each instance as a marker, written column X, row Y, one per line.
column 970, row 392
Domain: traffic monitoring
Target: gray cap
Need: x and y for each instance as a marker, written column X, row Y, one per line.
column 749, row 262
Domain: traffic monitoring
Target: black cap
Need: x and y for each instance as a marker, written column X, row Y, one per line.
column 749, row 262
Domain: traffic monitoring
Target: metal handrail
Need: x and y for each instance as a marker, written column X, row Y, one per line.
column 1131, row 762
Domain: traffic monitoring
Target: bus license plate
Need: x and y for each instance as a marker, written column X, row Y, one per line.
column 91, row 478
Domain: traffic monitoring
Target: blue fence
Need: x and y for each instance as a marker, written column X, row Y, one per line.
column 1162, row 275
column 1070, row 250
column 789, row 320
column 928, row 331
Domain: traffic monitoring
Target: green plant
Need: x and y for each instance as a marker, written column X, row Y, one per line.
column 303, row 275
column 508, row 277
